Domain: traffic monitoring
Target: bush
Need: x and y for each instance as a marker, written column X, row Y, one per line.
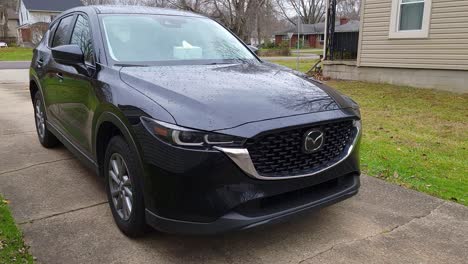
column 268, row 45
column 271, row 49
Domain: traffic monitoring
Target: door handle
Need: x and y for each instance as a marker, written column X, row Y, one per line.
column 59, row 76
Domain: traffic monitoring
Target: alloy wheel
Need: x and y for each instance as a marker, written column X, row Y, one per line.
column 120, row 186
column 40, row 120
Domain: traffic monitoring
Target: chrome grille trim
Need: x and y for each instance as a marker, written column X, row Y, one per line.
column 241, row 157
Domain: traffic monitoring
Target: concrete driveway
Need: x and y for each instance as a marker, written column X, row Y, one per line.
column 61, row 208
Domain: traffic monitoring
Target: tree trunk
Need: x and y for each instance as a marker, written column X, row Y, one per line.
column 4, row 15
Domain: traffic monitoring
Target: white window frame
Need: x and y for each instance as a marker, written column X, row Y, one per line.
column 395, row 32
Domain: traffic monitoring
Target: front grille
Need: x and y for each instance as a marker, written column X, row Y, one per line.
column 281, row 154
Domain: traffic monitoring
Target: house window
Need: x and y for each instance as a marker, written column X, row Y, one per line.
column 285, row 37
column 410, row 19
column 322, row 38
column 411, row 14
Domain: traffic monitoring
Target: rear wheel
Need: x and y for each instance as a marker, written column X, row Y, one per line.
column 123, row 176
column 46, row 138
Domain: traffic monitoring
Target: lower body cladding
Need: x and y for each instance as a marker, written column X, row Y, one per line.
column 206, row 192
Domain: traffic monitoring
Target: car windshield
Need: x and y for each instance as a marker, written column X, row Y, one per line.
column 143, row 39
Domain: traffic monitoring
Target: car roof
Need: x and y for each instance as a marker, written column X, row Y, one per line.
column 121, row 9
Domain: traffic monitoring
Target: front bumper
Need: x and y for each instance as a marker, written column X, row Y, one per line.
column 235, row 220
column 203, row 192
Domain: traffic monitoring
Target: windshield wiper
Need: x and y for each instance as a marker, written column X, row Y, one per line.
column 130, row 65
column 219, row 63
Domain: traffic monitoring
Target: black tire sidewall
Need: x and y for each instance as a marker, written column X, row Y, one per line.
column 135, row 225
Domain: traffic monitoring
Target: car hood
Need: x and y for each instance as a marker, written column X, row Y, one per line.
column 213, row 97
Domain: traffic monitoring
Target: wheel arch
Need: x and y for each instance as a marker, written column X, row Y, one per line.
column 107, row 126
column 33, row 89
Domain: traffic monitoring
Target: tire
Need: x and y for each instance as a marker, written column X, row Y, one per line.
column 123, row 176
column 47, row 139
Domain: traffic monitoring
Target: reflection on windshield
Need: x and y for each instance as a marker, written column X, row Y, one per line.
column 156, row 38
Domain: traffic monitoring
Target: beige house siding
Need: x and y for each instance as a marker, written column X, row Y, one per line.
column 445, row 48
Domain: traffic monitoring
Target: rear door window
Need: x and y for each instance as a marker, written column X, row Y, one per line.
column 62, row 34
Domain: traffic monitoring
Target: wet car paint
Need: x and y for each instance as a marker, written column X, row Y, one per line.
column 241, row 99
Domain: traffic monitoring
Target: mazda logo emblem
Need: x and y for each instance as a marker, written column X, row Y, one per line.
column 313, row 141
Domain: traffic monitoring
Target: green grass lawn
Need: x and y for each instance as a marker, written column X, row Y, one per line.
column 12, row 248
column 15, row 54
column 304, row 64
column 308, row 51
column 417, row 138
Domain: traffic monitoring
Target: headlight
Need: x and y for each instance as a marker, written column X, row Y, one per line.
column 185, row 137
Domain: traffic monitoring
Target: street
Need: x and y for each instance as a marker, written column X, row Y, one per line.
column 6, row 65
column 62, row 209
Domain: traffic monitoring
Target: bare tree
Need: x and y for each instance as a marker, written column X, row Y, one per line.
column 238, row 15
column 268, row 21
column 4, row 6
column 348, row 8
column 157, row 3
column 160, row 3
column 37, row 32
column 309, row 11
column 99, row 2
column 197, row 6
column 243, row 17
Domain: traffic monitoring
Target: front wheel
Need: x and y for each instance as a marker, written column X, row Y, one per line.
column 123, row 176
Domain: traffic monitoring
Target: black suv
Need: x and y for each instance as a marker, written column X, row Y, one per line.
column 192, row 132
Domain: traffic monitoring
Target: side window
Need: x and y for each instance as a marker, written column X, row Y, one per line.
column 82, row 37
column 51, row 34
column 61, row 36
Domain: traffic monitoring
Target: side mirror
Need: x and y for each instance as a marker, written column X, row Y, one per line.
column 253, row 49
column 68, row 55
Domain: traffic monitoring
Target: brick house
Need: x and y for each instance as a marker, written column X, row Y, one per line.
column 313, row 34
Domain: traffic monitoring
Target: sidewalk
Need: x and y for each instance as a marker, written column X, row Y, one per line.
column 14, row 76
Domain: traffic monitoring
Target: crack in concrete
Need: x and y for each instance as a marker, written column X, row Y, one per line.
column 61, row 213
column 33, row 165
column 373, row 235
